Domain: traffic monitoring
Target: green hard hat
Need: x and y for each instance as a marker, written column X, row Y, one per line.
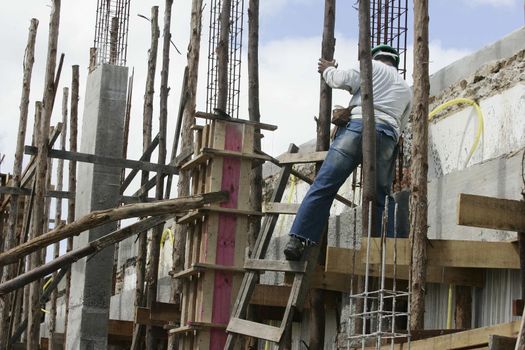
column 386, row 50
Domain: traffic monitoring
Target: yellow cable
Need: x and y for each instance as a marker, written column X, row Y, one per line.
column 47, row 283
column 166, row 234
column 481, row 126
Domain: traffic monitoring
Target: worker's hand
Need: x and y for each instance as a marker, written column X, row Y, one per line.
column 323, row 64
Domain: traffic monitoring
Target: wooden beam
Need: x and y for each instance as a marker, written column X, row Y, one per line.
column 339, row 262
column 27, row 192
column 280, row 208
column 298, row 158
column 211, row 116
column 107, row 161
column 499, row 342
column 478, row 337
column 490, row 212
column 449, row 253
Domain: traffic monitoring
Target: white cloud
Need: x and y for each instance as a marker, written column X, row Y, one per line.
column 495, row 3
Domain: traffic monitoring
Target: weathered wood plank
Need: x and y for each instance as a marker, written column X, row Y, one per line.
column 211, row 116
column 275, row 265
column 254, row 329
column 499, row 342
column 490, row 212
column 471, row 338
column 339, row 261
column 281, row 208
column 107, row 161
column 297, row 158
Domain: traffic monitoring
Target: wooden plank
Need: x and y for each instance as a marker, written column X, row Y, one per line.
column 195, row 326
column 234, row 154
column 120, row 328
column 517, row 307
column 490, row 212
column 201, row 212
column 211, row 116
column 467, row 339
column 254, row 329
column 339, row 261
column 143, row 316
column 24, row 191
column 270, row 295
column 297, row 158
column 275, row 265
column 499, row 342
column 450, row 253
column 107, row 161
column 281, row 208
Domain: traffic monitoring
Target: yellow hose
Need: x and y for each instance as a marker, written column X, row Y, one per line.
column 166, row 234
column 481, row 127
column 449, row 308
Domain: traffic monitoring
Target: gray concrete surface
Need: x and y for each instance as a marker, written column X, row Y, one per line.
column 97, row 188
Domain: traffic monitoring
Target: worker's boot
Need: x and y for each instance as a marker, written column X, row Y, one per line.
column 294, row 249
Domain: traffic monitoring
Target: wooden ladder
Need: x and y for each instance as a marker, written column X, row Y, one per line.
column 302, row 271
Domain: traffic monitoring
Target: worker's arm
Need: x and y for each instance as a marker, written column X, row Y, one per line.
column 342, row 79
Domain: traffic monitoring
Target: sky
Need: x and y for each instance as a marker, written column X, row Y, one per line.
column 290, row 44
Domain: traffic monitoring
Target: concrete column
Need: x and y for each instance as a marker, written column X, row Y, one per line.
column 97, row 188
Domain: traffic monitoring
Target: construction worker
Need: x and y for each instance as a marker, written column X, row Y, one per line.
column 392, row 104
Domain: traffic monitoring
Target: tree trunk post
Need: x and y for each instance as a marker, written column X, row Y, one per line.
column 188, row 119
column 10, row 238
column 223, row 55
column 419, row 167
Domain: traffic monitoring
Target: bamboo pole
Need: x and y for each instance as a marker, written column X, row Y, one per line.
column 10, row 238
column 140, row 267
column 188, row 119
column 72, row 178
column 419, row 168
column 223, row 55
column 153, row 271
column 58, row 218
column 102, row 217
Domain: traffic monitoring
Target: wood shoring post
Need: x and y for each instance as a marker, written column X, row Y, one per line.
column 186, row 137
column 368, row 170
column 10, row 238
column 58, row 217
column 520, row 341
column 317, row 298
column 153, row 271
column 223, row 55
column 33, row 339
column 140, row 267
column 463, row 308
column 419, row 167
column 254, row 111
column 72, row 177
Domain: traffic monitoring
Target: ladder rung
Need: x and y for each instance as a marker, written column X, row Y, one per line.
column 275, row 265
column 254, row 329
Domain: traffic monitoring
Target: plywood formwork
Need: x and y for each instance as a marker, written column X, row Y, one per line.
column 217, row 239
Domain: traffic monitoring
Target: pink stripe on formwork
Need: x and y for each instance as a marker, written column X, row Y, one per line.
column 225, row 253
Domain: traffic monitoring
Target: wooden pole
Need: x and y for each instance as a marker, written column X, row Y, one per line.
column 140, row 267
column 102, row 217
column 153, row 271
column 254, row 115
column 520, row 341
column 317, row 299
column 72, row 180
column 58, row 218
column 69, row 258
column 10, row 238
column 419, row 168
column 369, row 132
column 33, row 339
column 223, row 55
column 188, row 119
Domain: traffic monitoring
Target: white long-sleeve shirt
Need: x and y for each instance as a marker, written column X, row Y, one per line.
column 391, row 94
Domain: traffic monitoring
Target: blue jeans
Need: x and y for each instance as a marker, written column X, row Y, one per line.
column 343, row 157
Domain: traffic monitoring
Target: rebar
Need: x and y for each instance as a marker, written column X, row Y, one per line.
column 112, row 45
column 234, row 57
column 388, row 25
